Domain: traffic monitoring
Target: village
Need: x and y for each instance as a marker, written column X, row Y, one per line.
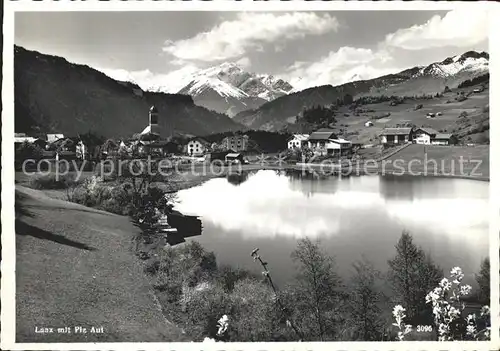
column 236, row 148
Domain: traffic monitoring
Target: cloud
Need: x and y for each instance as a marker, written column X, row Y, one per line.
column 344, row 65
column 170, row 83
column 459, row 28
column 250, row 30
column 244, row 62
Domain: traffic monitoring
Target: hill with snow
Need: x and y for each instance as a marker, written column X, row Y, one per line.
column 229, row 89
column 430, row 79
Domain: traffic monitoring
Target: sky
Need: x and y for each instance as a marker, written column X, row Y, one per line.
column 305, row 48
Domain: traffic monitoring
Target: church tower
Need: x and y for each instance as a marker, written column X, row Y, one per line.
column 154, row 128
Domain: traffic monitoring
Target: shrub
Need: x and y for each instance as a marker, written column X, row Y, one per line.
column 29, row 151
column 461, row 98
column 53, row 181
column 418, row 107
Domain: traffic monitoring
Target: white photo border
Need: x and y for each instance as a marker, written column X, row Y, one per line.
column 8, row 312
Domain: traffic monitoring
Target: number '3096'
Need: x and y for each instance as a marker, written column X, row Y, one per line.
column 424, row 328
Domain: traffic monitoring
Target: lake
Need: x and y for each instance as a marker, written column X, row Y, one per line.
column 351, row 217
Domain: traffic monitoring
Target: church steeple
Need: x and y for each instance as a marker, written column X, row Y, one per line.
column 154, row 128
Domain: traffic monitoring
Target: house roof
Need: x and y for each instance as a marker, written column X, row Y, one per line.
column 443, row 136
column 396, row 131
column 161, row 143
column 323, row 134
column 233, row 155
column 201, row 140
column 429, row 131
column 23, row 139
column 301, row 137
column 340, row 141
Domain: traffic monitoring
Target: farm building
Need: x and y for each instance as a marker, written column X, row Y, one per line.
column 234, row 158
column 325, row 142
column 429, row 136
column 395, row 136
column 424, row 135
column 297, row 141
column 235, row 142
column 443, row 139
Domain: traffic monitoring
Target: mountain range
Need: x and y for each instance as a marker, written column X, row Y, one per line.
column 226, row 88
column 54, row 95
column 430, row 79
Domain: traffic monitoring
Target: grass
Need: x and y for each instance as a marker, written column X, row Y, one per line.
column 75, row 267
column 403, row 113
column 448, row 159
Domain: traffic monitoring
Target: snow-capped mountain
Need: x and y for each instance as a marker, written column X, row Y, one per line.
column 228, row 88
column 470, row 61
column 414, row 81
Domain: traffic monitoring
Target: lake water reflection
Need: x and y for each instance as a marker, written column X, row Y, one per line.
column 351, row 216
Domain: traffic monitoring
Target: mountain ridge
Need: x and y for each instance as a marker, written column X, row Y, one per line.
column 54, row 95
column 418, row 80
column 227, row 88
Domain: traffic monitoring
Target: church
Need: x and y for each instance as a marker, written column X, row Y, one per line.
column 149, row 141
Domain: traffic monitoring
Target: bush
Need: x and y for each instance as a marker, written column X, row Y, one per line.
column 418, row 107
column 52, row 181
column 461, row 98
column 28, row 151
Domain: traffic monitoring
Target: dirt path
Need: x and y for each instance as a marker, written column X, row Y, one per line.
column 75, row 268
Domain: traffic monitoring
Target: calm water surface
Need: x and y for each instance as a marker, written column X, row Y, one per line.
column 351, row 217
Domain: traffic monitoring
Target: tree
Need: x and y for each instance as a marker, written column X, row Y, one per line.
column 348, row 99
column 316, row 294
column 412, row 275
column 483, row 280
column 364, row 303
column 29, row 151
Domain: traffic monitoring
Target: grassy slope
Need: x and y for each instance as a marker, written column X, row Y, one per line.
column 404, row 113
column 75, row 267
column 447, row 159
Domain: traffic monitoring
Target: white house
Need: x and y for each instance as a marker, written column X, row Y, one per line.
column 297, row 141
column 197, row 147
column 424, row 135
column 325, row 142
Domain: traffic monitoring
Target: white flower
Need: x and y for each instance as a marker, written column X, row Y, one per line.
column 453, row 312
column 445, row 284
column 443, row 329
column 485, row 311
column 436, row 310
column 471, row 318
column 223, row 324
column 465, row 290
column 471, row 330
column 457, row 274
column 398, row 311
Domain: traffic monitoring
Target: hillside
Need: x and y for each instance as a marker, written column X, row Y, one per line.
column 53, row 95
column 431, row 79
column 75, row 267
column 467, row 119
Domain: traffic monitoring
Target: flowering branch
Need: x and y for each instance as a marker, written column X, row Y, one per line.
column 267, row 274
